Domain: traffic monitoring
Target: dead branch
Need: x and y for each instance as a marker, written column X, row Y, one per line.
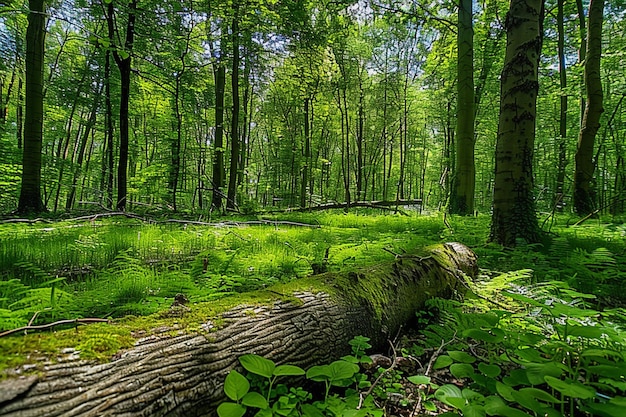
column 51, row 325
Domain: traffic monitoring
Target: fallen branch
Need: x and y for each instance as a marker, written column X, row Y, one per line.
column 51, row 325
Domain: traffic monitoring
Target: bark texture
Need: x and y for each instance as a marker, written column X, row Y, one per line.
column 183, row 375
column 464, row 179
column 585, row 165
column 30, row 193
column 514, row 215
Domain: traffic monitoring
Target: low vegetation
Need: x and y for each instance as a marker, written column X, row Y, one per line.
column 540, row 333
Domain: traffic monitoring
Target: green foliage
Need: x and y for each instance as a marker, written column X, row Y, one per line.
column 114, row 267
column 548, row 353
column 268, row 398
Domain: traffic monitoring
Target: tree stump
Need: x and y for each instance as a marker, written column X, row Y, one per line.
column 182, row 375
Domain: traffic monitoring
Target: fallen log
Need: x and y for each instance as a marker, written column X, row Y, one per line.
column 179, row 372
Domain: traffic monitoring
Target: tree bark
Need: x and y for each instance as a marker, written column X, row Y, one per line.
column 30, row 193
column 464, row 178
column 514, row 214
column 585, row 165
column 231, row 202
column 183, row 375
column 218, row 155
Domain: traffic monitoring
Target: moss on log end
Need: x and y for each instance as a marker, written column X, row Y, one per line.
column 176, row 366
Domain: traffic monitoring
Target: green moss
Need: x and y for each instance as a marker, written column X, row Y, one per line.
column 101, row 341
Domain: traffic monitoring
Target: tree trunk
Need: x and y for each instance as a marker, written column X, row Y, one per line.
column 463, row 180
column 108, row 134
column 30, row 193
column 181, row 374
column 218, row 149
column 562, row 141
column 585, row 165
column 231, row 202
column 514, row 215
column 123, row 60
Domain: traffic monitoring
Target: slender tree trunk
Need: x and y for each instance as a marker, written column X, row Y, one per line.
column 123, row 60
column 30, row 193
column 582, row 52
column 562, row 141
column 108, row 120
column 218, row 149
column 81, row 150
column 231, row 202
column 307, row 152
column 464, row 178
column 585, row 165
column 174, row 173
column 514, row 215
column 360, row 143
column 20, row 115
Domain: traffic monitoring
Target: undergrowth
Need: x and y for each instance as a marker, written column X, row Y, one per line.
column 513, row 349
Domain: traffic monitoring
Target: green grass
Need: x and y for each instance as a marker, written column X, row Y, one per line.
column 112, row 267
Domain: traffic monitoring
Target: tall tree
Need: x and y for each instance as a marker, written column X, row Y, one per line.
column 463, row 180
column 30, row 194
column 122, row 57
column 514, row 214
column 231, row 202
column 562, row 141
column 585, row 165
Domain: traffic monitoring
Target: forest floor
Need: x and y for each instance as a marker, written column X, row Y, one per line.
column 461, row 356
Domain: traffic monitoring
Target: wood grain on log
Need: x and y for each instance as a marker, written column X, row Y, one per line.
column 183, row 375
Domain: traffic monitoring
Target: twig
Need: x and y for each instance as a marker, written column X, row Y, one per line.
column 51, row 325
column 436, row 354
column 383, row 373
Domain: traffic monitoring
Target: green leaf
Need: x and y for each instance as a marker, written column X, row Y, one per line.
column 309, row 410
column 123, row 54
column 494, row 336
column 231, row 410
column 602, row 353
column 473, row 410
column 419, row 379
column 236, row 385
column 318, row 373
column 536, row 372
column 589, row 332
column 540, row 395
column 258, row 365
column 340, row 370
column 442, row 362
column 505, row 391
column 288, row 370
column 606, row 410
column 451, row 395
column 491, row 371
column 494, row 406
column 461, row 370
column 570, row 388
column 460, row 356
column 254, row 399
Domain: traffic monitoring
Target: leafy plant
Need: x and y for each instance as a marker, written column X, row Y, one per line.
column 274, row 399
column 548, row 354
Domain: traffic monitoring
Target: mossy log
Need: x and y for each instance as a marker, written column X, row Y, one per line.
column 181, row 373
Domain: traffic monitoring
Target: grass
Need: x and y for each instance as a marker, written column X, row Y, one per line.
column 112, row 267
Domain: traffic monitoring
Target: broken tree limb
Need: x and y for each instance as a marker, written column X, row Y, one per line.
column 181, row 372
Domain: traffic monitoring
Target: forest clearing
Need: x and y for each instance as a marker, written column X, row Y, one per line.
column 319, row 208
